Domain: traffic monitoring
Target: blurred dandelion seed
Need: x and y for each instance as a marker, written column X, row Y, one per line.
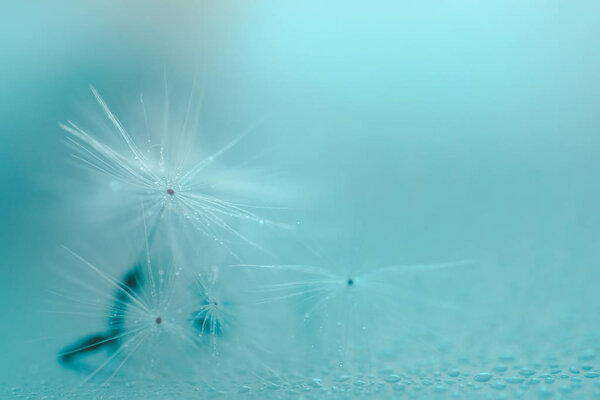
column 145, row 314
column 212, row 316
column 349, row 316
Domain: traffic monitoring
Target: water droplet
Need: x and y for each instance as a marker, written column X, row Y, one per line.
column 244, row 389
column 439, row 389
column 399, row 387
column 392, row 378
column 500, row 367
column 545, row 392
column 498, row 385
column 526, row 372
column 587, row 355
column 506, row 357
column 482, row 377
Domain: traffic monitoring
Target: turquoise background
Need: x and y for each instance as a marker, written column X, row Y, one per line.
column 413, row 132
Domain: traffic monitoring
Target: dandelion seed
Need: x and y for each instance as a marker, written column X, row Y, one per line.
column 348, row 319
column 144, row 315
column 167, row 175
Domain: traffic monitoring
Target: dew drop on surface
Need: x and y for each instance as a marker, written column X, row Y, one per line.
column 244, row 389
column 439, row 389
column 545, row 392
column 526, row 372
column 587, row 355
column 500, row 367
column 498, row 385
column 399, row 387
column 482, row 377
column 506, row 357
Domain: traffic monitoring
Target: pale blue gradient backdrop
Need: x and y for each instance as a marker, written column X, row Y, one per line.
column 419, row 131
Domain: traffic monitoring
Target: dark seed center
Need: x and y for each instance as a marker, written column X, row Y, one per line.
column 170, row 191
column 350, row 282
column 158, row 320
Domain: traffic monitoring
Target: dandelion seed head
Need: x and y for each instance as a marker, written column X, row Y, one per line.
column 338, row 308
column 164, row 168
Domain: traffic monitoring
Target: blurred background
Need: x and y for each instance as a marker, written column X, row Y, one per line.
column 413, row 131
